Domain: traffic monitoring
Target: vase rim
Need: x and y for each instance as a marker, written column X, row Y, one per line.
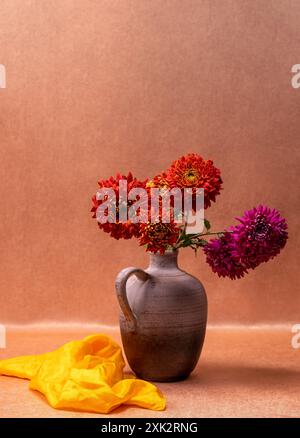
column 168, row 252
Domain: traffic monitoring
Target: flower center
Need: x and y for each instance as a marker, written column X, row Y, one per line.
column 191, row 175
column 260, row 230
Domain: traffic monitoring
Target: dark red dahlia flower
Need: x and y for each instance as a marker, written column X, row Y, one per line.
column 119, row 229
column 260, row 236
column 222, row 257
column 158, row 236
column 192, row 171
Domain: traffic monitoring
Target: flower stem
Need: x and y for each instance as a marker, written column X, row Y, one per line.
column 213, row 234
column 185, row 240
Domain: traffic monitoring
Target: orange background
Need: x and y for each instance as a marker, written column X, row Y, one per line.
column 96, row 87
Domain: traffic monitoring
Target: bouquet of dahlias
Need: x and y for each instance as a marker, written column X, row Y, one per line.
column 153, row 212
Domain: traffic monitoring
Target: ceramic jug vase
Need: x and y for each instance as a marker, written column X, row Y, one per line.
column 163, row 319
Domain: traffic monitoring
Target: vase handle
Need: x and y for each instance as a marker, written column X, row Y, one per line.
column 120, row 284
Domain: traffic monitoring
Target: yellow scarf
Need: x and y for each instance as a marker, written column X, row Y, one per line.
column 85, row 375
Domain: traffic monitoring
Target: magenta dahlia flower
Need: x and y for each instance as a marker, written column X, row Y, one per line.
column 259, row 237
column 222, row 256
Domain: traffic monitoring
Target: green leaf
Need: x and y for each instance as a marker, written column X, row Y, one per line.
column 207, row 224
column 186, row 242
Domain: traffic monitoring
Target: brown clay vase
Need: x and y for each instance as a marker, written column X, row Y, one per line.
column 163, row 319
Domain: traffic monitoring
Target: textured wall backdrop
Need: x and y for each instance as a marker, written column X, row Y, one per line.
column 97, row 86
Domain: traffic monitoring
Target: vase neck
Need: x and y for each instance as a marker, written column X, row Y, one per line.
column 166, row 261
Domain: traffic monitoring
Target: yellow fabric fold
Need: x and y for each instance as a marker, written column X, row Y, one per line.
column 84, row 375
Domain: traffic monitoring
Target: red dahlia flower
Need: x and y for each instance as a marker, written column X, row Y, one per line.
column 158, row 236
column 159, row 181
column 192, row 171
column 119, row 230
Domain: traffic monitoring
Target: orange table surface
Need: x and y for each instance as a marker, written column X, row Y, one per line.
column 242, row 372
